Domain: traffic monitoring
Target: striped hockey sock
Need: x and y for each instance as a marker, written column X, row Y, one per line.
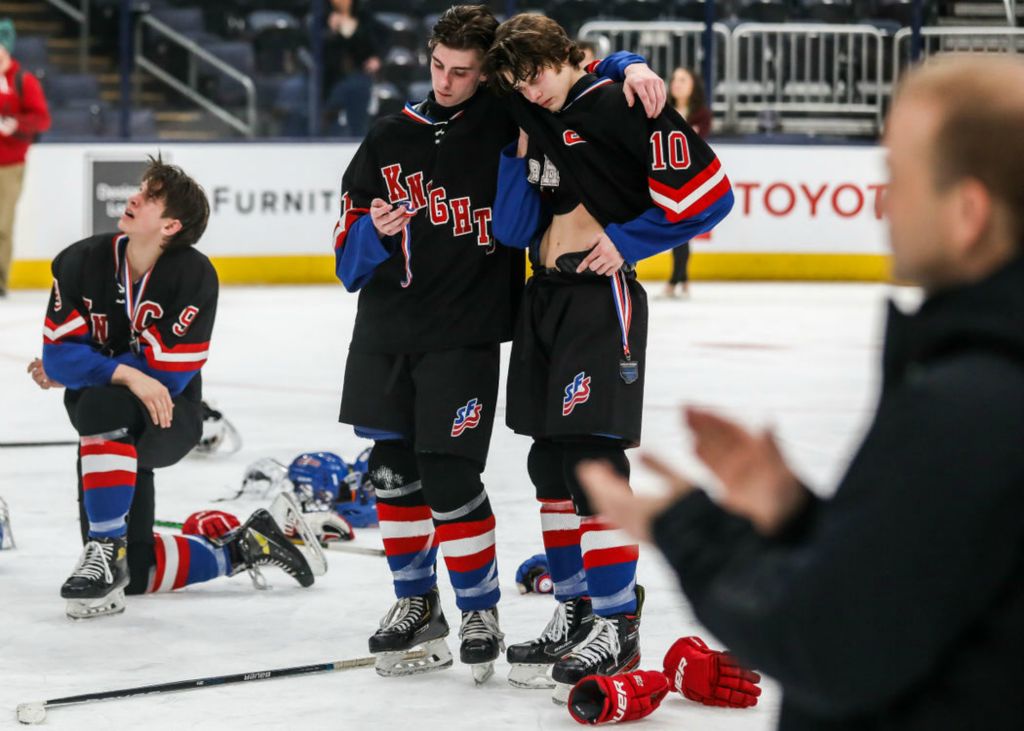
column 609, row 559
column 410, row 545
column 468, row 548
column 108, row 483
column 184, row 560
column 561, row 528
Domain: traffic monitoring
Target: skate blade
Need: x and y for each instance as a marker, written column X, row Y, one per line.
column 109, row 605
column 531, row 677
column 427, row 658
column 482, row 672
column 560, row 696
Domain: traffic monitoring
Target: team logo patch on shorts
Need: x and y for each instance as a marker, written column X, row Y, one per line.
column 576, row 393
column 466, row 417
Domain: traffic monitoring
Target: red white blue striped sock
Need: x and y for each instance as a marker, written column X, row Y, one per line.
column 561, row 530
column 184, row 560
column 609, row 559
column 410, row 545
column 108, row 483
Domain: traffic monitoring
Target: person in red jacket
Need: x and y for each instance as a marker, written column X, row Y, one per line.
column 23, row 115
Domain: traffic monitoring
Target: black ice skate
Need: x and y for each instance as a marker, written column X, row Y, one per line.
column 482, row 641
column 410, row 640
column 612, row 647
column 96, row 587
column 531, row 661
column 259, row 541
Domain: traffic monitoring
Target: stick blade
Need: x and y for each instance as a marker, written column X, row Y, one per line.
column 31, row 713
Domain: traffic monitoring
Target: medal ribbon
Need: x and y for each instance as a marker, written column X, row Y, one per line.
column 623, row 308
column 132, row 300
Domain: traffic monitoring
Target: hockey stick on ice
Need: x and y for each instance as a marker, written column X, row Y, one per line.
column 31, row 713
column 332, row 546
column 20, row 445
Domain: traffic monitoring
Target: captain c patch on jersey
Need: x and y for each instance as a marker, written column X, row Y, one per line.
column 466, row 417
column 576, row 393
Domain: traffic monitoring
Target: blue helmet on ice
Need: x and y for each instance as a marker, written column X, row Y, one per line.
column 320, row 476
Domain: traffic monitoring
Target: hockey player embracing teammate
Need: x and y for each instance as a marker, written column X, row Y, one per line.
column 127, row 332
column 592, row 187
column 438, row 296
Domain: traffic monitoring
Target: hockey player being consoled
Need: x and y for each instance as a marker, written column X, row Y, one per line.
column 437, row 298
column 592, row 187
column 127, row 332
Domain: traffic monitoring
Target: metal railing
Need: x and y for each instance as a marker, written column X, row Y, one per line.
column 80, row 15
column 945, row 39
column 196, row 53
column 667, row 45
column 1011, row 12
column 813, row 76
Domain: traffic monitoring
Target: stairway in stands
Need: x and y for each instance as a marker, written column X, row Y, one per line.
column 174, row 118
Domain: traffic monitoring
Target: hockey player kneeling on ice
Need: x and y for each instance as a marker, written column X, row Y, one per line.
column 127, row 331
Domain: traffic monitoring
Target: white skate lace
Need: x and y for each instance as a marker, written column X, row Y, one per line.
column 403, row 614
column 94, row 563
column 480, row 624
column 601, row 643
column 558, row 628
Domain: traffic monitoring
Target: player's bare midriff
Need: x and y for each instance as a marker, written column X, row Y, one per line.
column 569, row 233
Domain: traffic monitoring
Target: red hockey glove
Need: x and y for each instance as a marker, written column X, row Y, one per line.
column 616, row 698
column 211, row 524
column 710, row 677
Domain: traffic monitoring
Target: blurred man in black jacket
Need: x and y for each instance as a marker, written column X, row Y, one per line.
column 899, row 602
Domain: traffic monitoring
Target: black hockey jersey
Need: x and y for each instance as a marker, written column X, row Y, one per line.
column 98, row 318
column 443, row 283
column 651, row 183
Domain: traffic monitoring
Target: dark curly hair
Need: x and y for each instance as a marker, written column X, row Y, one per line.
column 183, row 199
column 525, row 44
column 464, row 28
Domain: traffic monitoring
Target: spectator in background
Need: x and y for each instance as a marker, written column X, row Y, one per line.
column 686, row 95
column 899, row 602
column 351, row 58
column 23, row 115
column 589, row 49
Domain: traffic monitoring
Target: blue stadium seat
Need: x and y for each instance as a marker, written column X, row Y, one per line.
column 828, row 11
column 641, row 10
column 240, row 56
column 74, row 122
column 187, row 21
column 276, row 38
column 571, row 14
column 401, row 29
column 65, row 89
column 402, row 66
column 764, row 11
column 33, row 55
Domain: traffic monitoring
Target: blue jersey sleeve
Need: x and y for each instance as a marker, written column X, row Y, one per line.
column 652, row 232
column 614, row 67
column 518, row 209
column 70, row 356
column 361, row 252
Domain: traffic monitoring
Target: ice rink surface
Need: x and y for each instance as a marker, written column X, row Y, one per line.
column 803, row 357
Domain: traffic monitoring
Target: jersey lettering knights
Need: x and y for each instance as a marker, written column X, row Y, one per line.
column 441, row 283
column 98, row 319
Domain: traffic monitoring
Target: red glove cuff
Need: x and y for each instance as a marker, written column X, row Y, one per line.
column 613, row 699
